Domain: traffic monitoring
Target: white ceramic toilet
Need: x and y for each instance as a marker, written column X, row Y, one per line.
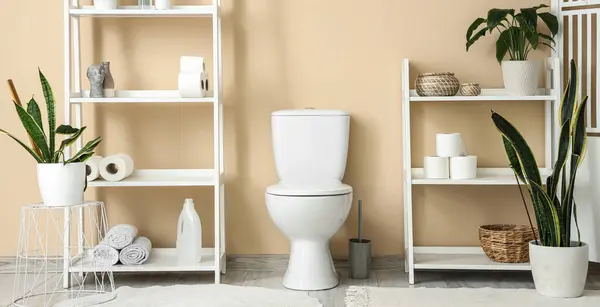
column 310, row 203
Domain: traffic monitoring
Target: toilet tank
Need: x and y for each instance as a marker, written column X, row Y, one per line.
column 310, row 145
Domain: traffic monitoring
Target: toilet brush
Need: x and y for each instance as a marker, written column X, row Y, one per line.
column 360, row 252
column 359, row 221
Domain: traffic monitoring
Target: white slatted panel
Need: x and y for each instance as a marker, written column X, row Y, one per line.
column 588, row 70
column 579, row 30
column 578, row 2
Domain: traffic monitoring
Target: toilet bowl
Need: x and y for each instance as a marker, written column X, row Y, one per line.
column 309, row 218
column 310, row 203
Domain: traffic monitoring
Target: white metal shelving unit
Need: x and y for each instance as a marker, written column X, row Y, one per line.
column 162, row 259
column 465, row 258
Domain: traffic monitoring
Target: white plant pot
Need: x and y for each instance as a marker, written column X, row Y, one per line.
column 61, row 185
column 559, row 271
column 106, row 4
column 521, row 78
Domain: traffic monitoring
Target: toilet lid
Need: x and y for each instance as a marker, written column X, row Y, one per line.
column 309, row 189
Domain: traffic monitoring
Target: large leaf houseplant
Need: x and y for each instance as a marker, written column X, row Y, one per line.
column 518, row 35
column 61, row 179
column 559, row 264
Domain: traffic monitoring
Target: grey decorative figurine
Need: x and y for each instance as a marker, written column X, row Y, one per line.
column 96, row 74
column 109, row 82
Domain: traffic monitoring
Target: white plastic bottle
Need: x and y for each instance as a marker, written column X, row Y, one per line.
column 189, row 234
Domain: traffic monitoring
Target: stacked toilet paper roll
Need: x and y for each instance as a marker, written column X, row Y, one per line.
column 116, row 167
column 92, row 168
column 192, row 80
column 451, row 160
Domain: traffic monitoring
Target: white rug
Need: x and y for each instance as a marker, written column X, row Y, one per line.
column 463, row 297
column 204, row 296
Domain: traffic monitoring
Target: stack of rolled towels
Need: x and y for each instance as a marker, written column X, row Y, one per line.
column 122, row 245
column 112, row 168
column 451, row 159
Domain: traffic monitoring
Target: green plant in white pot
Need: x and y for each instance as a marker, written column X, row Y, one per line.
column 518, row 36
column 61, row 181
column 559, row 264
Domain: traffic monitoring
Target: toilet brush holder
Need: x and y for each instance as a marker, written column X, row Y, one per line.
column 360, row 258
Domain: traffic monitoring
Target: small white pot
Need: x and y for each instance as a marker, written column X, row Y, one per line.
column 61, row 185
column 559, row 271
column 106, row 4
column 521, row 78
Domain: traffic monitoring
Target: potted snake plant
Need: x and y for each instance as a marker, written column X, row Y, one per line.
column 518, row 36
column 559, row 260
column 61, row 180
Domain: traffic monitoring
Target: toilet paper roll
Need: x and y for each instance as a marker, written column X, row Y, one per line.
column 92, row 167
column 116, row 167
column 192, row 64
column 449, row 145
column 464, row 167
column 193, row 85
column 436, row 167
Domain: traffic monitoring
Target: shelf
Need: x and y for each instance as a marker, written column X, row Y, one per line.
column 135, row 11
column 486, row 95
column 171, row 96
column 162, row 178
column 485, row 176
column 460, row 258
column 160, row 260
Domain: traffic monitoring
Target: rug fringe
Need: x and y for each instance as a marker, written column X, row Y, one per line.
column 358, row 297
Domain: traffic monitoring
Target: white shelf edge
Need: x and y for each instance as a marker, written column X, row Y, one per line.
column 162, row 178
column 135, row 11
column 148, row 96
column 160, row 260
column 460, row 258
column 485, row 176
column 486, row 95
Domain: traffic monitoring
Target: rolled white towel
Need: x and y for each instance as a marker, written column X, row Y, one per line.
column 136, row 253
column 105, row 255
column 120, row 236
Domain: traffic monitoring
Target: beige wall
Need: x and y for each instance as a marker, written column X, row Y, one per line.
column 278, row 54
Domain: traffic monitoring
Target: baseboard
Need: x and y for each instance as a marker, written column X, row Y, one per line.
column 280, row 262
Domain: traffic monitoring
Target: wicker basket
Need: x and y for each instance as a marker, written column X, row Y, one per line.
column 506, row 243
column 470, row 89
column 437, row 84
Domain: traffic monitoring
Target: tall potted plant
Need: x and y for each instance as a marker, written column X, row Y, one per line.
column 61, row 181
column 518, row 36
column 559, row 265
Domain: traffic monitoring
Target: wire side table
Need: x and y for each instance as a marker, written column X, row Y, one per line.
column 52, row 243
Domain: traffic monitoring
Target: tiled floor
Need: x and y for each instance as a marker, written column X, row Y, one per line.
column 329, row 298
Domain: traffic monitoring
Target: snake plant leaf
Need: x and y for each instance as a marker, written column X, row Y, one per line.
column 51, row 109
column 66, row 129
column 34, row 110
column 546, row 202
column 29, row 150
column 87, row 148
column 576, row 223
column 477, row 36
column 551, row 22
column 478, row 22
column 522, row 149
column 35, row 132
column 513, row 159
column 68, row 142
column 497, row 16
column 564, row 142
column 83, row 157
column 567, row 104
column 577, row 155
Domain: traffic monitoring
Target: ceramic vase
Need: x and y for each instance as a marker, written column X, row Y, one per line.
column 163, row 4
column 61, row 184
column 109, row 83
column 106, row 4
column 521, row 78
column 559, row 272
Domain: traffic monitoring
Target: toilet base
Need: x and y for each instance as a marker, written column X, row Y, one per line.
column 310, row 267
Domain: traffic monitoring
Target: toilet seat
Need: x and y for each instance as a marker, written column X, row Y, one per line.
column 309, row 189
